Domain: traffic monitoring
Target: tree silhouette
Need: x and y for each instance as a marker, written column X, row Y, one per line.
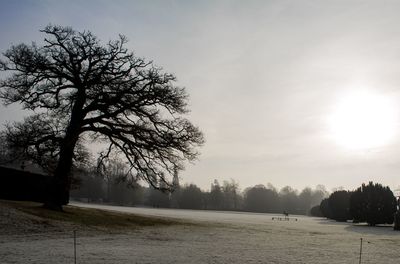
column 230, row 190
column 81, row 88
column 316, row 211
column 373, row 204
column 191, row 197
column 157, row 198
column 260, row 199
column 339, row 203
column 325, row 208
column 289, row 200
column 305, row 198
column 215, row 196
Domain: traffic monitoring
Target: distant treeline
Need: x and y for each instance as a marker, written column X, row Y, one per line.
column 371, row 203
column 225, row 196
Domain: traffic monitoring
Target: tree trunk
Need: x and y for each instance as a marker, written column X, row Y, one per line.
column 58, row 190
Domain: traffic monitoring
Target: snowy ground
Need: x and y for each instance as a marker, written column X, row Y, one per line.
column 221, row 237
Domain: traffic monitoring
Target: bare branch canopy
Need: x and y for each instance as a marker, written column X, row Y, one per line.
column 84, row 89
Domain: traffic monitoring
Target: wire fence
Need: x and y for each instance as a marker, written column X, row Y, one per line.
column 83, row 248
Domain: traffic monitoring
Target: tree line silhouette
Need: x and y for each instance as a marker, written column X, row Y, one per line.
column 115, row 188
column 113, row 183
column 371, row 203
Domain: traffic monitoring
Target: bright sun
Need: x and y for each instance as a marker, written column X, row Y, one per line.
column 363, row 120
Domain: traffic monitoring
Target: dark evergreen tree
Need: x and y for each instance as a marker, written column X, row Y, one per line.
column 339, row 204
column 325, row 208
column 358, row 206
column 373, row 204
column 396, row 219
column 316, row 211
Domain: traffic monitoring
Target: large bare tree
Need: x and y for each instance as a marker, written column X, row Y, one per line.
column 80, row 89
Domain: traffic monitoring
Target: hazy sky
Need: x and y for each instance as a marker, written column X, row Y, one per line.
column 283, row 90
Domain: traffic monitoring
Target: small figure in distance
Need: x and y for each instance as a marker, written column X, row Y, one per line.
column 286, row 215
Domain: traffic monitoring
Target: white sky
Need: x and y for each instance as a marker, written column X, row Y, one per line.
column 264, row 77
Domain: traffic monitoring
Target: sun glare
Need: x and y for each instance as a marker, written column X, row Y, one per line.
column 363, row 120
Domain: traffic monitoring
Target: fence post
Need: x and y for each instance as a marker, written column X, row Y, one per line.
column 74, row 246
column 361, row 241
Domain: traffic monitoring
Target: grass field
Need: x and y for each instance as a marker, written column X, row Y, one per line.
column 193, row 237
column 89, row 217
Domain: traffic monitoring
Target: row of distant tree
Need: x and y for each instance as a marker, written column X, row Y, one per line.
column 114, row 187
column 227, row 196
column 371, row 203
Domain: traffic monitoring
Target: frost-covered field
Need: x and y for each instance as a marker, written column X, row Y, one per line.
column 221, row 237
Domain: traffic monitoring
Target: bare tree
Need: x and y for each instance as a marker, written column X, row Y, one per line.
column 101, row 91
column 37, row 140
column 230, row 191
column 261, row 199
column 216, row 196
column 114, row 172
